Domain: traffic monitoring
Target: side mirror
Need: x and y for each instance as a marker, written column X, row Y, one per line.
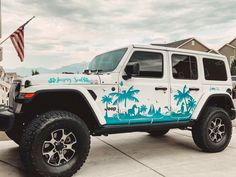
column 132, row 69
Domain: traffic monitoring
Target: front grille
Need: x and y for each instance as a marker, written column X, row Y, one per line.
column 13, row 93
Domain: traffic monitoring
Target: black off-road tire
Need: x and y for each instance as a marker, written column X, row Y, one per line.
column 201, row 133
column 15, row 133
column 36, row 134
column 158, row 133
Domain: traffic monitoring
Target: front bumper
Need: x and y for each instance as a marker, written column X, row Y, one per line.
column 6, row 120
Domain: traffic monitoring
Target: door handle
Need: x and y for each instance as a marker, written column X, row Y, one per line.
column 194, row 89
column 161, row 88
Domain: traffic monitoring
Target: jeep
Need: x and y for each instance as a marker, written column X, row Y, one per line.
column 139, row 88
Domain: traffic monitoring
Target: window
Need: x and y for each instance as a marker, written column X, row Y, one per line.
column 184, row 67
column 214, row 69
column 151, row 63
column 233, row 78
column 108, row 61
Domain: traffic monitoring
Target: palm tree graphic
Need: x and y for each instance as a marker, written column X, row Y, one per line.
column 143, row 108
column 106, row 100
column 125, row 95
column 183, row 95
column 191, row 104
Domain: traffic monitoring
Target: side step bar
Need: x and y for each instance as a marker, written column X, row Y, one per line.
column 113, row 129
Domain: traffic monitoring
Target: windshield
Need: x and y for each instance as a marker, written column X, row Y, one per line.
column 107, row 61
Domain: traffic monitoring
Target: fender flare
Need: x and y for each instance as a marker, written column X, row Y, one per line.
column 197, row 113
column 87, row 95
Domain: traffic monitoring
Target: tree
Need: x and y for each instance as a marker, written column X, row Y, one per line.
column 233, row 67
column 35, row 72
column 191, row 104
column 106, row 100
column 143, row 108
column 183, row 95
column 125, row 95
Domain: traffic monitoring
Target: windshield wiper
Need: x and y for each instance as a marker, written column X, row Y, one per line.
column 96, row 71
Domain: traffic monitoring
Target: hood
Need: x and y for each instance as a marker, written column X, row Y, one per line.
column 61, row 79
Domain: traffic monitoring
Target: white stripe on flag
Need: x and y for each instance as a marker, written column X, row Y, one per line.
column 17, row 39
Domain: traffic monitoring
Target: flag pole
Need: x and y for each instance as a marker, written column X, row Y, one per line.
column 19, row 27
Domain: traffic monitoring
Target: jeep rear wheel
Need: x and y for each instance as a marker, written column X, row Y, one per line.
column 55, row 144
column 158, row 133
column 212, row 133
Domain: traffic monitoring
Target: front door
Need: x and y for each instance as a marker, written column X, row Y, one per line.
column 145, row 98
column 186, row 87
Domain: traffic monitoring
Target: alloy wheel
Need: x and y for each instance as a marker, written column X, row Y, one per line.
column 59, row 147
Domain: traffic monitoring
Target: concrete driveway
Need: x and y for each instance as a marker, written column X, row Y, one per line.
column 139, row 155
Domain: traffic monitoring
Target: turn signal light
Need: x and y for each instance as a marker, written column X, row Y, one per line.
column 28, row 95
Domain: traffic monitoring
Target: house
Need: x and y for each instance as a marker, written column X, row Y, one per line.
column 4, row 87
column 229, row 50
column 5, row 83
column 190, row 44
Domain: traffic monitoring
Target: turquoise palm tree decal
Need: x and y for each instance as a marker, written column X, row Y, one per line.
column 183, row 95
column 106, row 100
column 191, row 104
column 167, row 110
column 125, row 95
column 143, row 108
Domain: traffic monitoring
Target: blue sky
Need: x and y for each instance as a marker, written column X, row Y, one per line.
column 72, row 31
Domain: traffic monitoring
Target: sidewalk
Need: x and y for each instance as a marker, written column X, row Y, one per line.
column 138, row 155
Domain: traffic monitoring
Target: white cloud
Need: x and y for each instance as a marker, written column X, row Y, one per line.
column 70, row 31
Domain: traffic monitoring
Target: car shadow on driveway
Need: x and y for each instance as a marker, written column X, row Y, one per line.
column 10, row 156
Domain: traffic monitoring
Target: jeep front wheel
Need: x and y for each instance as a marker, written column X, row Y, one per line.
column 55, row 144
column 212, row 133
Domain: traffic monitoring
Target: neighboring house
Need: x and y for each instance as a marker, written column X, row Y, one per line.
column 190, row 44
column 229, row 50
column 5, row 83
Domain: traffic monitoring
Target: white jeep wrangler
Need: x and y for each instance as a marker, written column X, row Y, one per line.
column 136, row 88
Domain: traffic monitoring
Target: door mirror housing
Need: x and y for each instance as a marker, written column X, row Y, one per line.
column 132, row 69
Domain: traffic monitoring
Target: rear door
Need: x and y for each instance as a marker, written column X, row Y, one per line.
column 186, row 86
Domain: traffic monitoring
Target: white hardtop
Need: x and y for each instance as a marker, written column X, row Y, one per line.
column 187, row 51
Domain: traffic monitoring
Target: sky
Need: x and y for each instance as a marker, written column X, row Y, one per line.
column 72, row 31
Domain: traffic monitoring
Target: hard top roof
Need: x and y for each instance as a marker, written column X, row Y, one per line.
column 152, row 47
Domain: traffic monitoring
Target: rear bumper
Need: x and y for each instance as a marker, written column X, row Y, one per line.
column 6, row 120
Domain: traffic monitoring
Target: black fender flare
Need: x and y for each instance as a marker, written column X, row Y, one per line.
column 230, row 108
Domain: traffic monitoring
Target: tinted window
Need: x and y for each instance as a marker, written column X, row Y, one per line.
column 151, row 63
column 184, row 67
column 214, row 70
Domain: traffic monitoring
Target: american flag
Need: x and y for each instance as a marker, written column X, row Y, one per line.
column 17, row 39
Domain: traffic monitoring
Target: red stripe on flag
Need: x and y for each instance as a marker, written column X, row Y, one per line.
column 17, row 49
column 17, row 39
